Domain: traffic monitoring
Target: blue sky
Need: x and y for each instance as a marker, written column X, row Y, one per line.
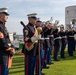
column 18, row 10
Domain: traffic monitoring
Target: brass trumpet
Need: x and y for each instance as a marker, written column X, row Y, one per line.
column 39, row 29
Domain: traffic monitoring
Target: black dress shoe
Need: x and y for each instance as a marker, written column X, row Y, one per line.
column 50, row 63
column 42, row 73
column 56, row 60
column 47, row 67
column 71, row 55
column 63, row 57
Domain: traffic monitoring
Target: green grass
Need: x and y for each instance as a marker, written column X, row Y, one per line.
column 17, row 66
column 63, row 67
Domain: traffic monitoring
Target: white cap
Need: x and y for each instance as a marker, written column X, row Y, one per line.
column 32, row 15
column 38, row 20
column 47, row 22
column 4, row 10
column 61, row 25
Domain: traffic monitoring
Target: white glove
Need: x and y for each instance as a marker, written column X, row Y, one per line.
column 52, row 35
column 59, row 37
column 75, row 36
column 33, row 39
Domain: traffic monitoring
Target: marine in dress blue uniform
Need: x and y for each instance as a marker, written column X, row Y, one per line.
column 62, row 34
column 31, row 45
column 48, row 43
column 74, row 30
column 41, row 41
column 6, row 48
column 56, row 43
column 70, row 38
column 48, row 49
column 75, row 41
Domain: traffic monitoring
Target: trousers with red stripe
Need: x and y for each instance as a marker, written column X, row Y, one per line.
column 56, row 50
column 30, row 62
column 4, row 70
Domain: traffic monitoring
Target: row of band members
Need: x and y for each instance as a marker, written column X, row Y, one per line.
column 51, row 40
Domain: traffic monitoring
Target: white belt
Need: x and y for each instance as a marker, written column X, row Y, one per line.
column 50, row 35
column 44, row 38
column 57, row 38
column 71, row 36
column 63, row 37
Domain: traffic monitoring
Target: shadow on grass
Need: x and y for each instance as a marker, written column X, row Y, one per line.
column 18, row 60
column 67, row 57
column 19, row 66
column 70, row 58
column 14, row 72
